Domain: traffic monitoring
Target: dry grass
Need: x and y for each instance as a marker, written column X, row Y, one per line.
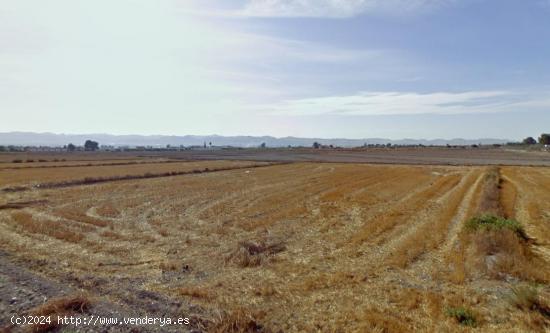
column 75, row 214
column 490, row 196
column 501, row 247
column 55, row 229
column 508, row 198
column 378, row 321
column 79, row 175
column 430, row 235
column 387, row 220
column 252, row 254
column 501, row 252
column 528, row 299
column 22, row 204
column 236, row 321
column 195, row 292
column 59, row 307
column 108, row 210
column 325, row 265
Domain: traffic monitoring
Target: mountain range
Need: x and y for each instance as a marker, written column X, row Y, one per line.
column 53, row 139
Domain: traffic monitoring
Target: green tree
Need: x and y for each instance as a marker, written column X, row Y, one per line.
column 316, row 145
column 529, row 141
column 544, row 139
column 91, row 145
column 71, row 147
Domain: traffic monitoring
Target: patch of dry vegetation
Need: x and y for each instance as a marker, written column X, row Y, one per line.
column 50, row 178
column 236, row 321
column 25, row 221
column 298, row 248
column 389, row 219
column 195, row 292
column 430, row 235
column 529, row 299
column 489, row 202
column 74, row 214
column 500, row 247
column 255, row 253
column 59, row 307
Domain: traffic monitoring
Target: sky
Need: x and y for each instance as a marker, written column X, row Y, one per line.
column 394, row 69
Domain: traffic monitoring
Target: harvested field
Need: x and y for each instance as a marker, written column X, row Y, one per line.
column 301, row 247
column 33, row 176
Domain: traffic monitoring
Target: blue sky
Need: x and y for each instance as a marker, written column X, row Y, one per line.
column 315, row 68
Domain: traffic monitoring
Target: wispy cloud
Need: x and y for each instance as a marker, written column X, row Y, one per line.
column 335, row 8
column 399, row 103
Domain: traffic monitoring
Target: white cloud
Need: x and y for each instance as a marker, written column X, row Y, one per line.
column 399, row 103
column 335, row 8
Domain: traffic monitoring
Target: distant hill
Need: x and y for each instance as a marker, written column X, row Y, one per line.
column 52, row 139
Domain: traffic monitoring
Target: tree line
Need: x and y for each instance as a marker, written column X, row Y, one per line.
column 544, row 139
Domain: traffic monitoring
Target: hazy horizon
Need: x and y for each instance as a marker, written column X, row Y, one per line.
column 328, row 69
column 52, row 139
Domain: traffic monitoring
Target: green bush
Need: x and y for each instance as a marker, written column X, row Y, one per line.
column 462, row 315
column 491, row 222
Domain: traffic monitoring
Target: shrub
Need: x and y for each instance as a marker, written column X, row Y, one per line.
column 462, row 315
column 17, row 161
column 491, row 222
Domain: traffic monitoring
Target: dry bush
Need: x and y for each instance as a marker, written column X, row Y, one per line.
column 49, row 228
column 236, row 321
column 251, row 254
column 59, row 307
